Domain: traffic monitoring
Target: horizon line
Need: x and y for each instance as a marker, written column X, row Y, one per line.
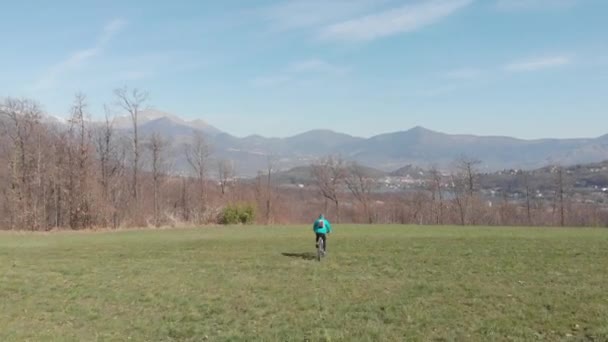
column 364, row 137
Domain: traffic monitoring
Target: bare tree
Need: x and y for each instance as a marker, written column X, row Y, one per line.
column 197, row 155
column 258, row 188
column 560, row 193
column 436, row 184
column 104, row 145
column 271, row 161
column 468, row 170
column 6, row 218
column 329, row 175
column 417, row 201
column 57, row 180
column 23, row 119
column 360, row 185
column 526, row 183
column 118, row 181
column 133, row 102
column 184, row 203
column 158, row 147
column 464, row 185
column 225, row 173
column 78, row 166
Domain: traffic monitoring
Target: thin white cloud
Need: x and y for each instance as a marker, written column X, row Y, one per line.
column 315, row 66
column 468, row 76
column 298, row 14
column 270, row 81
column 538, row 64
column 463, row 74
column 78, row 58
column 518, row 5
column 402, row 19
column 299, row 70
column 111, row 29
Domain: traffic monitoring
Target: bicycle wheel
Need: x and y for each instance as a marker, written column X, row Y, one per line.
column 320, row 249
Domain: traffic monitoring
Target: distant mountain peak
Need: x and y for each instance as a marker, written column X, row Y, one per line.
column 321, row 132
column 199, row 122
column 54, row 119
column 163, row 120
column 158, row 118
column 421, row 130
column 153, row 114
column 415, row 147
column 418, row 128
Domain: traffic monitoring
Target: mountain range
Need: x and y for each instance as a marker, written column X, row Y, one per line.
column 387, row 152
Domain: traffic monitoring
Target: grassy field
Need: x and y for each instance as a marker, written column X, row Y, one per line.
column 382, row 283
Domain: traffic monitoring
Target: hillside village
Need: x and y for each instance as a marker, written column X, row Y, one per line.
column 586, row 183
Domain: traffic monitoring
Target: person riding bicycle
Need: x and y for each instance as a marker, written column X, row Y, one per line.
column 321, row 227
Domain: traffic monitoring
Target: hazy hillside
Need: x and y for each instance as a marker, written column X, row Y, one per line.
column 166, row 123
column 303, row 175
column 423, row 147
column 417, row 147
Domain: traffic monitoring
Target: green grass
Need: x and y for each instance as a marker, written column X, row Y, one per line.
column 383, row 283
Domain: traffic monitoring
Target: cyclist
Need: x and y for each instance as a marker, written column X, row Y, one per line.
column 321, row 227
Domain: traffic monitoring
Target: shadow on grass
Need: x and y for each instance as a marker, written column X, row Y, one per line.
column 305, row 255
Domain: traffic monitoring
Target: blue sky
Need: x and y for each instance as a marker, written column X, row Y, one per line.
column 524, row 68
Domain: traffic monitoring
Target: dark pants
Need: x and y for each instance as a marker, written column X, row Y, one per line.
column 322, row 236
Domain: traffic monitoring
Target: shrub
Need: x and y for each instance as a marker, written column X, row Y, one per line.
column 237, row 214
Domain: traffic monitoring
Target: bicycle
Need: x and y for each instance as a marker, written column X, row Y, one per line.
column 320, row 248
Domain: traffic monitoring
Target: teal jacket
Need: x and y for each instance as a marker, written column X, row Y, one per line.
column 321, row 228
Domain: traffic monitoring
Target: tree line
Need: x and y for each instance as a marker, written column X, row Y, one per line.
column 84, row 175
column 453, row 198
